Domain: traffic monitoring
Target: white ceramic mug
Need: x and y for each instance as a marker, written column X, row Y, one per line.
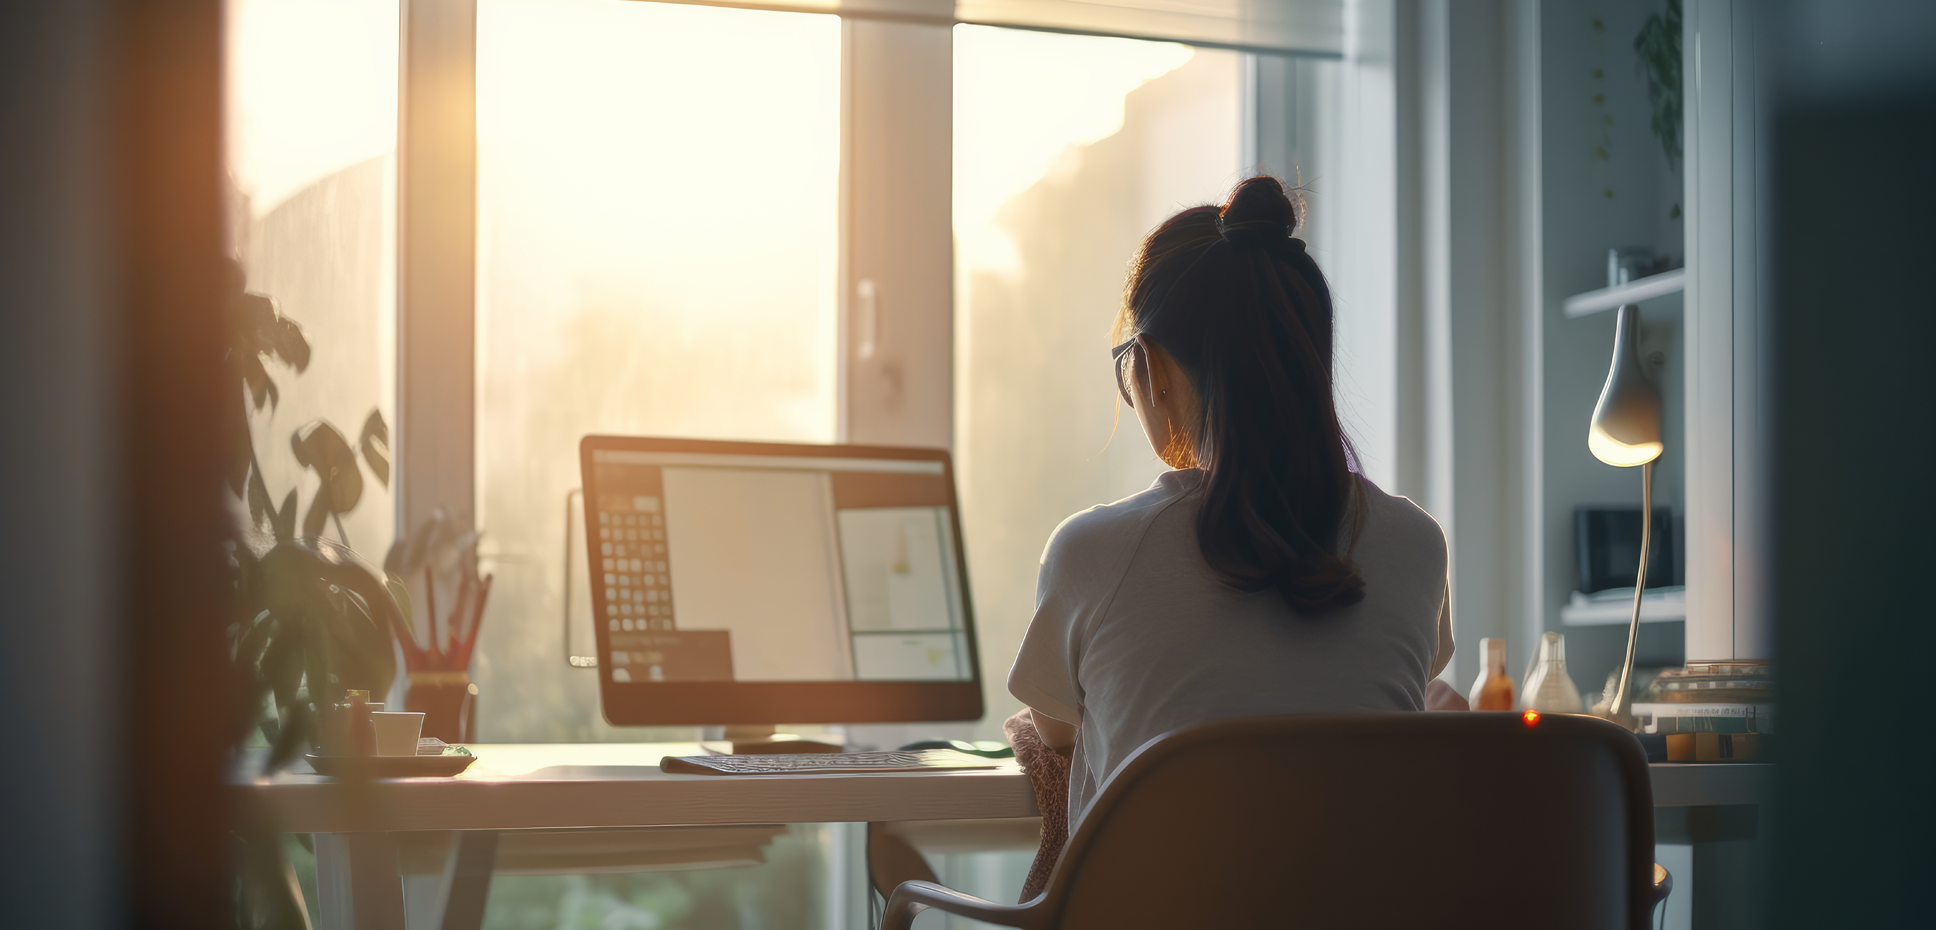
column 396, row 734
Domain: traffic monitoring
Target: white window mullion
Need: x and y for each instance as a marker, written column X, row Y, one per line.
column 897, row 293
column 436, row 260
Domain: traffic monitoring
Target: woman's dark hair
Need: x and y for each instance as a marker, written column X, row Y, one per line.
column 1239, row 305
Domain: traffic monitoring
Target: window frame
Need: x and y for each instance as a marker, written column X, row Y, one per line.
column 895, row 338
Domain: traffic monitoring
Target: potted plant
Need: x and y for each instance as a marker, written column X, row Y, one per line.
column 310, row 619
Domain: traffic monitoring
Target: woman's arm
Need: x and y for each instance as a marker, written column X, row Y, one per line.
column 1438, row 694
column 1058, row 736
column 1442, row 652
column 1441, row 696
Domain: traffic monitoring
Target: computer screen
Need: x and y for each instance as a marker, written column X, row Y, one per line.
column 789, row 582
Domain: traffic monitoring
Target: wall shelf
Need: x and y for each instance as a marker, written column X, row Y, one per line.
column 1656, row 606
column 1635, row 291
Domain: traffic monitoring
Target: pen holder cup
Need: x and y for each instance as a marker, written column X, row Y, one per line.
column 448, row 701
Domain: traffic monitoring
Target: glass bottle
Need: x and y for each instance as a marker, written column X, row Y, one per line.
column 1547, row 688
column 1493, row 690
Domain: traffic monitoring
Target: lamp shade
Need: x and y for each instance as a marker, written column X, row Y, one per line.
column 1626, row 421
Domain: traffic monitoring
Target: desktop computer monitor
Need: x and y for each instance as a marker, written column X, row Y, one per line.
column 764, row 583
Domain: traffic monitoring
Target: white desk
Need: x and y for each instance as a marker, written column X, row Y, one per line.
column 585, row 807
column 562, row 786
column 556, row 793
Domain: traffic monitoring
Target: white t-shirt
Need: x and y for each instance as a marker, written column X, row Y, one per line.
column 1134, row 635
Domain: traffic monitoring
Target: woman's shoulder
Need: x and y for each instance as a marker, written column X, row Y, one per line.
column 1106, row 529
column 1389, row 520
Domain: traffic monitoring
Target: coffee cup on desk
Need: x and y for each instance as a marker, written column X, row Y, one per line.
column 396, row 733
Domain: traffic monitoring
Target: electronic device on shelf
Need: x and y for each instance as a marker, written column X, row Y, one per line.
column 763, row 583
column 1606, row 543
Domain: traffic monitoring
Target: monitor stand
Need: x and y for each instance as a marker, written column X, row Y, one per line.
column 761, row 739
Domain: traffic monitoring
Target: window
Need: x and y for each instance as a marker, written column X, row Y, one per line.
column 657, row 255
column 312, row 112
column 658, row 252
column 311, row 152
column 1068, row 150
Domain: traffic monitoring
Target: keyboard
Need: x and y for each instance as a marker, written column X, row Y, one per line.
column 822, row 763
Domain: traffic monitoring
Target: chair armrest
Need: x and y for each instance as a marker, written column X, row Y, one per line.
column 910, row 897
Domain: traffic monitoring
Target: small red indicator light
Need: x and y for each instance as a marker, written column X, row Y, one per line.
column 1531, row 717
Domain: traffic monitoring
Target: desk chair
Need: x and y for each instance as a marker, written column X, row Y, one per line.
column 1373, row 820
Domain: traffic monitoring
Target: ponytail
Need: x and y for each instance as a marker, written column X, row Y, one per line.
column 1234, row 299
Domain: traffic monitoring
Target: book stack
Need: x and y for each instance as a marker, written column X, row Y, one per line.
column 1709, row 732
column 1711, row 711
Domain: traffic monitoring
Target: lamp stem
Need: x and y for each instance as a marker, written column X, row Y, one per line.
column 1619, row 704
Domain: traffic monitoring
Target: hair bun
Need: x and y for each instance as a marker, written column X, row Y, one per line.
column 1260, row 200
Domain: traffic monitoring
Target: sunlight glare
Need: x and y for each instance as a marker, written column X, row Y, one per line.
column 681, row 161
column 312, row 90
column 1048, row 93
column 658, row 255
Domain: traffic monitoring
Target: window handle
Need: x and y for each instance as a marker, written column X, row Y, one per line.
column 574, row 531
column 868, row 323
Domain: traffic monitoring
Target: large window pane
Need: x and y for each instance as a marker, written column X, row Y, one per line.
column 1068, row 149
column 312, row 128
column 658, row 217
column 311, row 102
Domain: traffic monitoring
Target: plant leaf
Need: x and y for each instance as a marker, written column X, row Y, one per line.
column 285, row 336
column 262, row 510
column 257, row 331
column 317, row 659
column 361, row 648
column 283, row 521
column 401, row 592
column 256, row 378
column 294, row 735
column 254, row 642
column 245, row 602
column 1657, row 56
column 407, row 554
column 252, row 698
column 375, row 443
column 319, row 445
column 319, row 507
column 258, row 328
column 282, row 662
column 346, row 612
column 240, row 451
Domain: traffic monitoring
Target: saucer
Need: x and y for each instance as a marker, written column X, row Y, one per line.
column 389, row 766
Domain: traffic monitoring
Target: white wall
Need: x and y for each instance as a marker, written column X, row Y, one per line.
column 1727, row 402
column 1605, row 182
column 1352, row 171
column 1425, row 223
column 1492, row 233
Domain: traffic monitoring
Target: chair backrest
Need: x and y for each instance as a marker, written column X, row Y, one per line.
column 1372, row 820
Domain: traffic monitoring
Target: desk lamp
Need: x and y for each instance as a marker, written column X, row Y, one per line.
column 1626, row 432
